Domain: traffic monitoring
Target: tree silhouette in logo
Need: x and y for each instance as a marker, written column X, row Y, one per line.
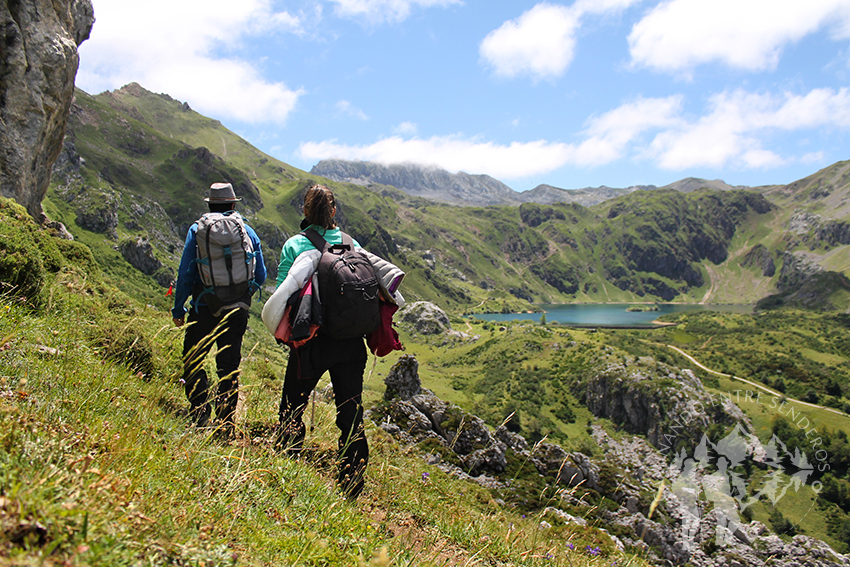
column 712, row 471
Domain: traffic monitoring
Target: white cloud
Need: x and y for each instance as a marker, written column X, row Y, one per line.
column 541, row 42
column 452, row 153
column 813, row 157
column 737, row 124
column 406, row 129
column 678, row 35
column 733, row 131
column 191, row 54
column 610, row 136
column 345, row 107
column 381, row 11
column 602, row 6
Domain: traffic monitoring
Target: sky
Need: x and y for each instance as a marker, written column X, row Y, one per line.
column 570, row 94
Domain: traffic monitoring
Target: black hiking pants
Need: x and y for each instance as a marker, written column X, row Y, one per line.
column 346, row 361
column 203, row 331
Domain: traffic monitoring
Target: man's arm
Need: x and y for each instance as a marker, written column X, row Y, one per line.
column 260, row 264
column 186, row 274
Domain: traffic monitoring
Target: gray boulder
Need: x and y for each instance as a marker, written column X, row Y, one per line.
column 402, row 381
column 425, row 318
column 571, row 469
column 419, row 415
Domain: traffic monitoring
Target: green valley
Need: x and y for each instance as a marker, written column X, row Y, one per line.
column 98, row 460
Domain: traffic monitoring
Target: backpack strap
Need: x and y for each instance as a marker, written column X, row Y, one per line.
column 321, row 244
column 315, row 239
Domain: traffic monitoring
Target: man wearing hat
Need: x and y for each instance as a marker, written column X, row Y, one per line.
column 222, row 327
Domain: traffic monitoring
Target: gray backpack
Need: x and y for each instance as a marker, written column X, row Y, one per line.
column 226, row 260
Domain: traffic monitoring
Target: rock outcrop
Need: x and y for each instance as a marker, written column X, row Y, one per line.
column 139, row 253
column 760, row 257
column 460, row 188
column 418, row 416
column 797, row 267
column 428, row 182
column 649, row 398
column 403, row 381
column 425, row 318
column 631, row 472
column 39, row 62
column 804, row 284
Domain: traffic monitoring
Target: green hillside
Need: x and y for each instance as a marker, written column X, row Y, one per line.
column 147, row 160
column 99, row 467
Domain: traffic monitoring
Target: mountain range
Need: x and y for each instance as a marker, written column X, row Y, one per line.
column 460, row 188
column 135, row 167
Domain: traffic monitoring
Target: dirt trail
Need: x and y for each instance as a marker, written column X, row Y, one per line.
column 712, row 274
column 753, row 384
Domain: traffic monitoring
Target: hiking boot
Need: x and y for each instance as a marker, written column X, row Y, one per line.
column 200, row 416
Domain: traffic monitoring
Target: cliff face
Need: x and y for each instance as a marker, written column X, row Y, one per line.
column 666, row 404
column 38, row 63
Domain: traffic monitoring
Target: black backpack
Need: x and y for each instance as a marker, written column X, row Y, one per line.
column 348, row 288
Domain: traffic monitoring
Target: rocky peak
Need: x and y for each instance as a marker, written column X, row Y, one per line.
column 421, row 181
column 39, row 59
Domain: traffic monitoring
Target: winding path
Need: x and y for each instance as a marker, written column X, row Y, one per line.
column 753, row 384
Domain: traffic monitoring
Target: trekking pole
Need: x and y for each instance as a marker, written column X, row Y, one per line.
column 313, row 412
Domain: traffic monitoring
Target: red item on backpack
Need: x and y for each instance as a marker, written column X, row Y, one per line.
column 384, row 339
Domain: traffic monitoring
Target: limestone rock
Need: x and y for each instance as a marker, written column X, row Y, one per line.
column 403, row 379
column 425, row 317
column 139, row 253
column 428, row 182
column 760, row 257
column 98, row 212
column 797, row 267
column 654, row 399
column 461, row 445
column 39, row 62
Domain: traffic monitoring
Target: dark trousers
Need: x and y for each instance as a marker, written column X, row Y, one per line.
column 203, row 331
column 346, row 361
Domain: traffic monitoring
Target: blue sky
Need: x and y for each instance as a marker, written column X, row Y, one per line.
column 571, row 94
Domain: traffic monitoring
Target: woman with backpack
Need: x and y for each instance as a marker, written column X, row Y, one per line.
column 343, row 355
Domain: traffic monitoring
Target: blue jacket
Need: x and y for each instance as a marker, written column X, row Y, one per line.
column 188, row 277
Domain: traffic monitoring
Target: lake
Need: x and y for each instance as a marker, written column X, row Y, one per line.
column 608, row 314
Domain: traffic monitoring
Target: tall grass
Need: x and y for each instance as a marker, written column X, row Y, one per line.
column 99, row 466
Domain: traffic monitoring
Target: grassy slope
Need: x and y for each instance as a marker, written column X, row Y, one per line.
column 470, row 241
column 99, row 468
